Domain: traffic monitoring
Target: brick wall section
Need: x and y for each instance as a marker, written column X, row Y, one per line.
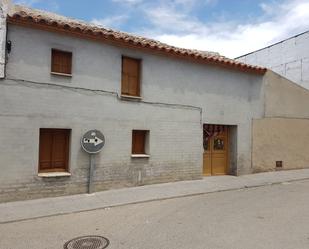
column 175, row 141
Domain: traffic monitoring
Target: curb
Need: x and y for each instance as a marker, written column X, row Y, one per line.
column 154, row 199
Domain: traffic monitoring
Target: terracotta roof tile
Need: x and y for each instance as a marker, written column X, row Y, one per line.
column 39, row 19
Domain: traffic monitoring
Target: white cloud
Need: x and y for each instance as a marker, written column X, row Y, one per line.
column 27, row 2
column 167, row 19
column 267, row 8
column 229, row 38
column 51, row 5
column 111, row 22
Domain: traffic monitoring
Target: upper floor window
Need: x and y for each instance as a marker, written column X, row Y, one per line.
column 130, row 82
column 61, row 62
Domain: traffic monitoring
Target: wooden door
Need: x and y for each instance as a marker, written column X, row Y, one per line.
column 216, row 154
column 207, row 159
column 219, row 154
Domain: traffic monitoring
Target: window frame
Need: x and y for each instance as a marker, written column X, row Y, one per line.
column 145, row 150
column 70, row 66
column 67, row 136
column 128, row 94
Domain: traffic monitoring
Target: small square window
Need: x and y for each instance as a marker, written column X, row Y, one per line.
column 140, row 142
column 61, row 62
column 130, row 79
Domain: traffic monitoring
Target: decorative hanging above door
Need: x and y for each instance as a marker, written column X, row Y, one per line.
column 210, row 130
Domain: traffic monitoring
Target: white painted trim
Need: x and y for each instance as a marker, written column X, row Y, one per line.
column 130, row 97
column 140, row 156
column 54, row 174
column 61, row 74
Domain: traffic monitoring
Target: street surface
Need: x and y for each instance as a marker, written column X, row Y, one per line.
column 270, row 217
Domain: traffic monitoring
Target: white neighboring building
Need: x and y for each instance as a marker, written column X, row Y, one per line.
column 290, row 58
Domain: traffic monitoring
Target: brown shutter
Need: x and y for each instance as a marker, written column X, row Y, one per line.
column 60, row 147
column 46, row 144
column 138, row 142
column 54, row 150
column 61, row 62
column 130, row 84
column 125, row 77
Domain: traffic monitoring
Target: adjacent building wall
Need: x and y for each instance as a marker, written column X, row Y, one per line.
column 280, row 139
column 284, row 98
column 284, row 132
column 289, row 58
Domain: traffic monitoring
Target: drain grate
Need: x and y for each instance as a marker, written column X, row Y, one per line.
column 87, row 242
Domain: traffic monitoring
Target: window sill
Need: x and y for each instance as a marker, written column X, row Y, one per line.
column 130, row 97
column 140, row 156
column 61, row 74
column 54, row 174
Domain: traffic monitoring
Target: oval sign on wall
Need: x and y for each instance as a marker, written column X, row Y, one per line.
column 93, row 141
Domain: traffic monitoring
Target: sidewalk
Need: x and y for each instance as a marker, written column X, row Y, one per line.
column 23, row 210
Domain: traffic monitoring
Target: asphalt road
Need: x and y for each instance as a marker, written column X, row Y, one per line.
column 272, row 217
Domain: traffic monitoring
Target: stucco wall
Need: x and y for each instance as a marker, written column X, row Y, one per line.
column 280, row 139
column 177, row 97
column 175, row 140
column 6, row 7
column 284, row 132
column 289, row 58
column 3, row 13
column 226, row 96
column 284, row 98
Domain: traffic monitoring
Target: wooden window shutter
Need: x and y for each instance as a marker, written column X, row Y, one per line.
column 54, row 150
column 138, row 141
column 46, row 144
column 61, row 62
column 130, row 82
column 60, row 149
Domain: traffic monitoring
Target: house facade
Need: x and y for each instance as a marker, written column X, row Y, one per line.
column 167, row 113
column 289, row 58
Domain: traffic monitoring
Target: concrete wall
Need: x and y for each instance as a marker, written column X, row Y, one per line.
column 177, row 97
column 175, row 144
column 284, row 98
column 284, row 132
column 280, row 139
column 289, row 58
column 4, row 8
column 2, row 40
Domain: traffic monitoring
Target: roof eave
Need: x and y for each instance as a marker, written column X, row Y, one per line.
column 88, row 33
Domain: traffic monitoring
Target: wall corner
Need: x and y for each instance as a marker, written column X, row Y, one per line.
column 5, row 8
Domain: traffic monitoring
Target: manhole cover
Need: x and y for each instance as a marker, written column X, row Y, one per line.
column 87, row 242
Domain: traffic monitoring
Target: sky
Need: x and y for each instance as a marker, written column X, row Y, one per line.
column 230, row 27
